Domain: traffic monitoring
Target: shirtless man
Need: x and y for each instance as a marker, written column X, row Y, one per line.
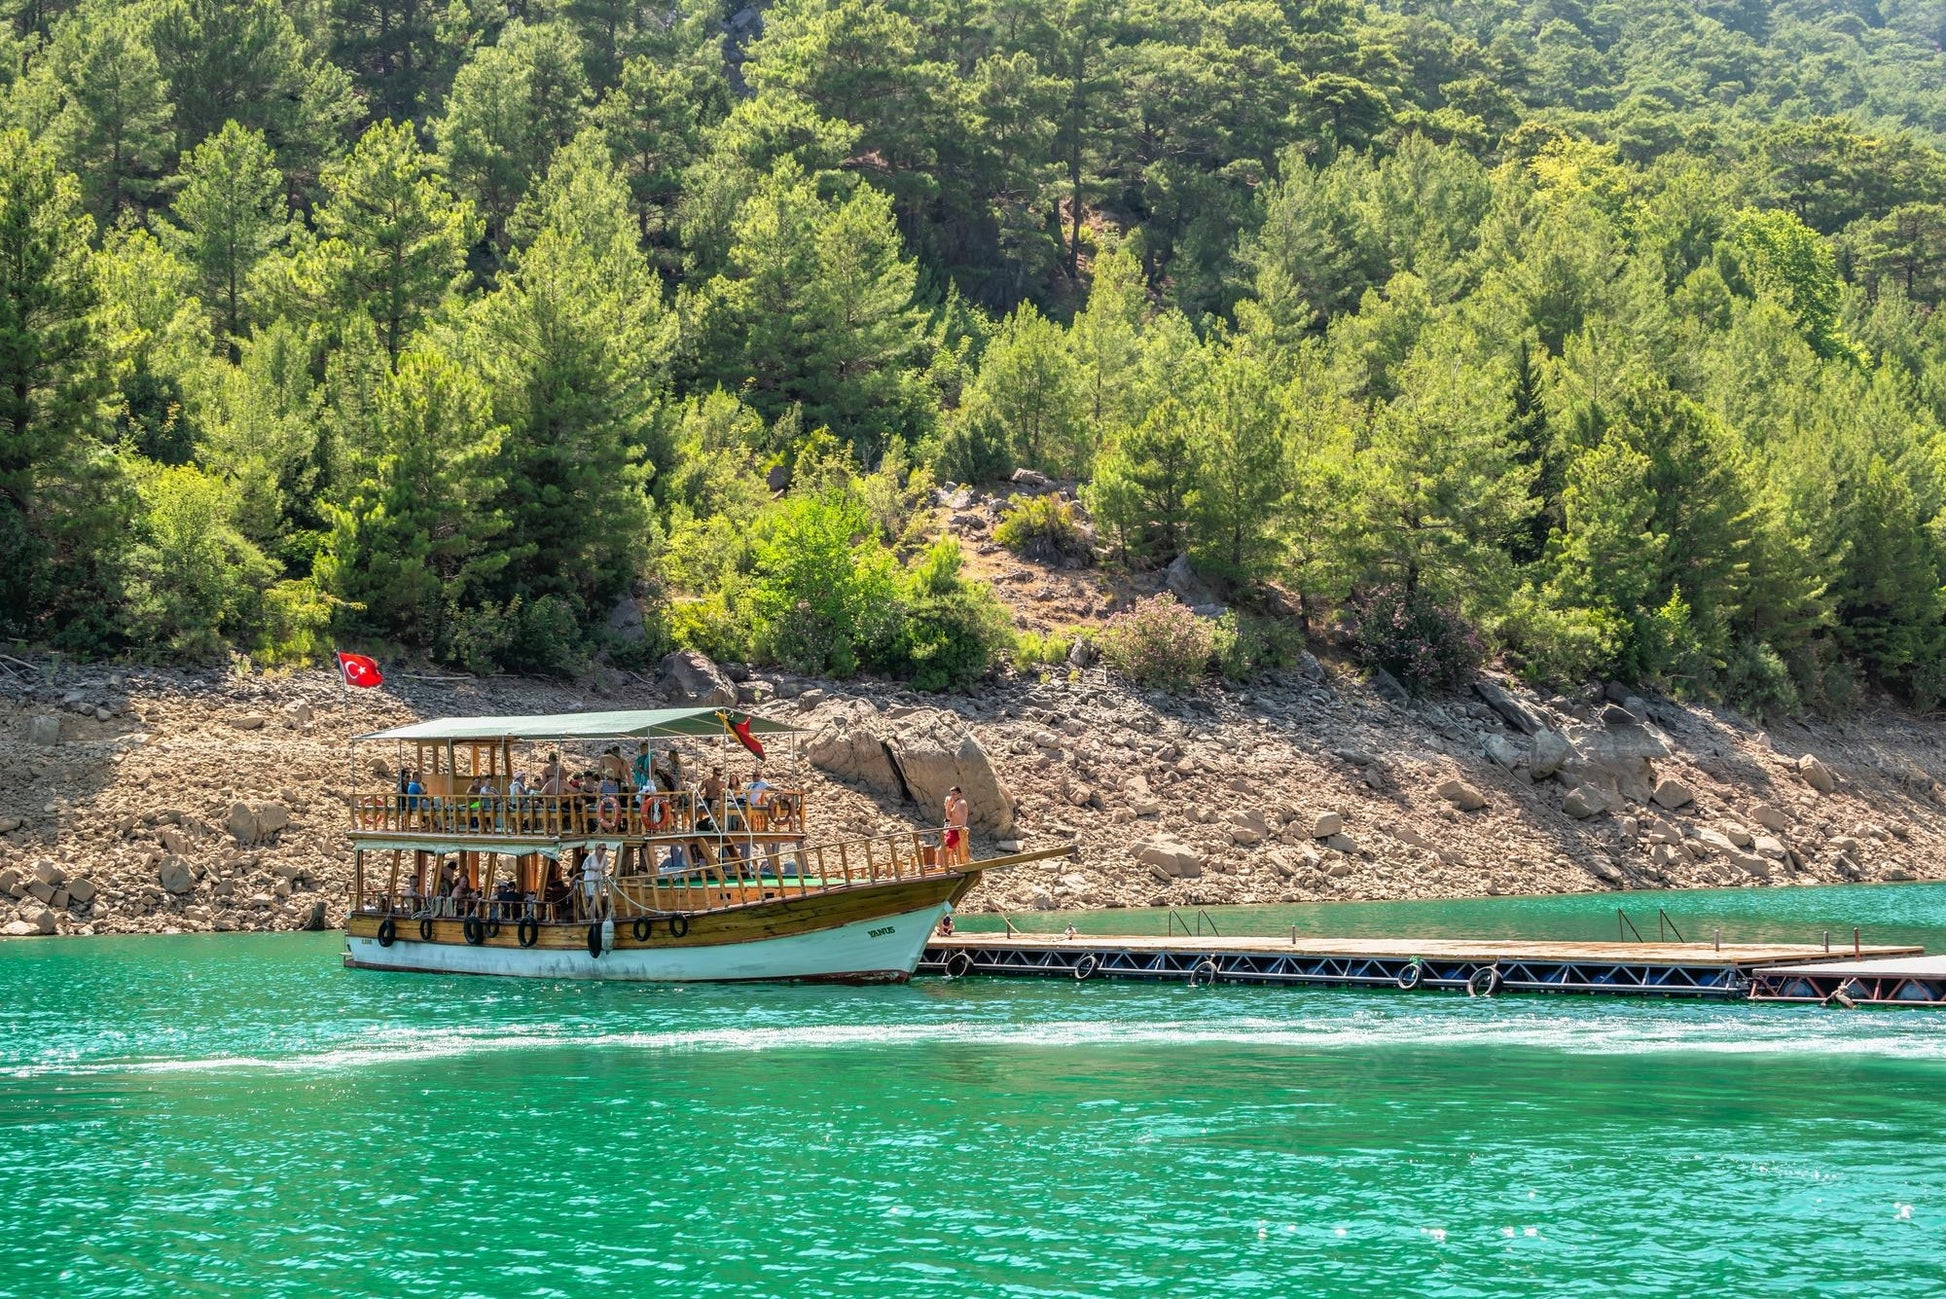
column 956, row 836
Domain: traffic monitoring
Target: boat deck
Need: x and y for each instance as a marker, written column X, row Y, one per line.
column 1658, row 969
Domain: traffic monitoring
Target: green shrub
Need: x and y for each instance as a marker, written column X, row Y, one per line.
column 824, row 597
column 1159, row 642
column 1411, row 635
column 1247, row 645
column 951, row 632
column 1042, row 528
column 1035, row 650
column 1756, row 680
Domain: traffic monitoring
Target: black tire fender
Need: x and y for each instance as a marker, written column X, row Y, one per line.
column 1410, row 976
column 475, row 931
column 425, row 929
column 388, row 932
column 678, row 926
column 959, row 964
column 1203, row 973
column 1483, row 982
column 642, row 928
column 1086, row 966
column 594, row 940
column 529, row 931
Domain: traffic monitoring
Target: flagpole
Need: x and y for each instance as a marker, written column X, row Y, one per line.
column 351, row 757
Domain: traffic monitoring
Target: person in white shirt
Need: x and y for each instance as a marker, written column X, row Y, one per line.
column 594, row 873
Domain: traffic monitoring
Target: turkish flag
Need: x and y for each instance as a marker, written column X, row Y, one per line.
column 360, row 671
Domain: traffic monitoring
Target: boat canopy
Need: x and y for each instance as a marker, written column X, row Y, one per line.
column 644, row 723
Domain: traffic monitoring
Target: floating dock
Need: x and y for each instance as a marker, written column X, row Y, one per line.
column 1892, row 981
column 1480, row 967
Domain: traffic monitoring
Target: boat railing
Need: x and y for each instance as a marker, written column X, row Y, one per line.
column 629, row 815
column 713, row 874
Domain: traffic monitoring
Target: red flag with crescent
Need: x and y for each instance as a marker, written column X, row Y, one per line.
column 360, row 671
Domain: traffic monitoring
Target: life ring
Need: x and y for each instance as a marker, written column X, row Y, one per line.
column 642, row 928
column 369, row 817
column 475, row 931
column 528, row 931
column 594, row 940
column 959, row 964
column 1409, row 977
column 608, row 812
column 1203, row 973
column 1483, row 982
column 655, row 811
column 425, row 929
column 678, row 926
column 387, row 932
column 1086, row 966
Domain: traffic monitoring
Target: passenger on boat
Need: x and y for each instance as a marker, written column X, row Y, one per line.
column 642, row 770
column 506, row 901
column 414, row 795
column 758, row 790
column 448, row 881
column 409, row 898
column 612, row 767
column 956, row 818
column 594, row 876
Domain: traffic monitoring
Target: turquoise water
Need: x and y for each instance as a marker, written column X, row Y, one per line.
column 236, row 1115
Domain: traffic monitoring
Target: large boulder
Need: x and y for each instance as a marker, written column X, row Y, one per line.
column 1816, row 774
column 255, row 823
column 174, row 875
column 44, row 730
column 1169, row 855
column 1187, row 585
column 698, row 681
column 1518, row 715
column 1462, row 795
column 1548, row 752
column 1502, row 750
column 915, row 757
column 1584, row 801
column 1617, row 759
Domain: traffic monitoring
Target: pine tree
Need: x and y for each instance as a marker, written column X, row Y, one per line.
column 392, row 238
column 112, row 129
column 228, row 216
column 58, row 491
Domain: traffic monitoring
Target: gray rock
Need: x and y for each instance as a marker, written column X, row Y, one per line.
column 1737, row 835
column 1462, row 795
column 1549, row 750
column 44, row 731
column 174, row 875
column 1308, row 666
column 1816, row 774
column 1671, row 793
column 1616, row 715
column 249, row 722
column 1770, row 846
column 696, row 680
column 1584, row 801
column 1518, row 715
column 1031, row 482
column 1770, row 818
column 18, row 929
column 81, row 892
column 1326, row 824
column 1343, row 843
column 1387, row 687
column 1188, row 586
column 1502, row 750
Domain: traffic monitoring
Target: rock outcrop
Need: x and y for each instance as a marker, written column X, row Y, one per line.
column 915, row 757
column 693, row 679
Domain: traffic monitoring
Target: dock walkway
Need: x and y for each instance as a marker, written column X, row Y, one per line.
column 1480, row 967
column 1892, row 981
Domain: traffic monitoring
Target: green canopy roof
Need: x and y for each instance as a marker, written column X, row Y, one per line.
column 635, row 724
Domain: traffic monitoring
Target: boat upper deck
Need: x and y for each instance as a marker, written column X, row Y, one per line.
column 643, row 775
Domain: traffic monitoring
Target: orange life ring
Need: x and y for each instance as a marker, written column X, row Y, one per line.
column 369, row 817
column 608, row 812
column 655, row 811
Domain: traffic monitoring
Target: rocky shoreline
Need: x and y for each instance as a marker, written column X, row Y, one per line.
column 145, row 801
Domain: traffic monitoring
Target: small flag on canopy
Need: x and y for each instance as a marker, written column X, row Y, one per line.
column 738, row 724
column 360, row 671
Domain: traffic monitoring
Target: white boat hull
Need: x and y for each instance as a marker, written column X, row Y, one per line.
column 883, row 949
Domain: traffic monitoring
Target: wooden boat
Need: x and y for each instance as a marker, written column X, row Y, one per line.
column 683, row 888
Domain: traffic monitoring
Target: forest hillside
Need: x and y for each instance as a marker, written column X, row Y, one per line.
column 1600, row 338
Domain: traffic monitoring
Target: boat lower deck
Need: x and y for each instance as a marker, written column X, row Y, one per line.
column 1701, row 970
